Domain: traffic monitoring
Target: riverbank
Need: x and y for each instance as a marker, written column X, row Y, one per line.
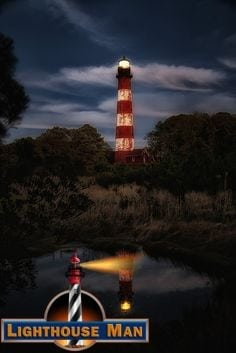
column 206, row 247
column 199, row 231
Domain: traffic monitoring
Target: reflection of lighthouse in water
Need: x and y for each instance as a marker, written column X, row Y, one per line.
column 125, row 293
column 74, row 275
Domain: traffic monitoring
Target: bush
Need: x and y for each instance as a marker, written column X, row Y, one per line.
column 41, row 207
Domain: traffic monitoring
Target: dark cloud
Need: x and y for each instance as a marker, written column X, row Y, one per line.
column 229, row 2
column 5, row 3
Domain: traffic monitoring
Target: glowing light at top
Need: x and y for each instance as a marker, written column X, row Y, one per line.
column 124, row 63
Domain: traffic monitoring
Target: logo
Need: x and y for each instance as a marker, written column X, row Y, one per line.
column 75, row 319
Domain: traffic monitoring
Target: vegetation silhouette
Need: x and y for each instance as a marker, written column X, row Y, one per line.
column 13, row 99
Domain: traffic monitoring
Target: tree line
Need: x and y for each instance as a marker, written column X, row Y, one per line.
column 194, row 152
column 187, row 152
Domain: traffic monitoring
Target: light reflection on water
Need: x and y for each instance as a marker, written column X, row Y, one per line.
column 187, row 312
column 162, row 290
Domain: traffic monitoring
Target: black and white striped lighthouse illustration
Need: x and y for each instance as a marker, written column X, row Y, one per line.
column 74, row 275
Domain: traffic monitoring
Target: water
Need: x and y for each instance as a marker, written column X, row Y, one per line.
column 164, row 292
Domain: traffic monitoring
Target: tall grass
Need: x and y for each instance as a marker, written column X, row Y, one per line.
column 124, row 208
column 40, row 207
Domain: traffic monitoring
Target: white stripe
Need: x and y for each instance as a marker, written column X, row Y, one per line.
column 124, row 95
column 124, row 144
column 75, row 307
column 125, row 119
column 73, row 290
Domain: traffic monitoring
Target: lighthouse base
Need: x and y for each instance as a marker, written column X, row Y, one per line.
column 121, row 156
column 137, row 156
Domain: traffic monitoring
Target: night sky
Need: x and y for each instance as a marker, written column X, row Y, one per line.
column 183, row 56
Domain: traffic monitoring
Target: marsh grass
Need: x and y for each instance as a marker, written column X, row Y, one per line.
column 129, row 208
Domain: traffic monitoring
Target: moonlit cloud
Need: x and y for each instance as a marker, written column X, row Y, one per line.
column 163, row 90
column 160, row 75
column 177, row 77
column 145, row 105
column 58, row 107
column 153, row 106
column 149, row 106
column 219, row 102
column 229, row 62
column 74, row 120
column 46, row 114
column 171, row 77
column 148, row 109
column 101, row 75
column 231, row 39
column 82, row 21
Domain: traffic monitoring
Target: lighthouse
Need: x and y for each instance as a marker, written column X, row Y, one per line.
column 74, row 275
column 124, row 144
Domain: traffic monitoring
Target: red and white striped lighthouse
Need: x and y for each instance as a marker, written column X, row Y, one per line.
column 125, row 120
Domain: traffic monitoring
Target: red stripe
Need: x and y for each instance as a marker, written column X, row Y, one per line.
column 124, row 107
column 124, row 83
column 124, row 131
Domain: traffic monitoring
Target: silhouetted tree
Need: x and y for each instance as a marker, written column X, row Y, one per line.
column 72, row 152
column 194, row 152
column 13, row 99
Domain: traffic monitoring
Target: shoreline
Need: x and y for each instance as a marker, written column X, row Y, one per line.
column 206, row 247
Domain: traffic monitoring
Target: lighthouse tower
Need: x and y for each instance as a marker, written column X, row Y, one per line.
column 124, row 143
column 74, row 275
